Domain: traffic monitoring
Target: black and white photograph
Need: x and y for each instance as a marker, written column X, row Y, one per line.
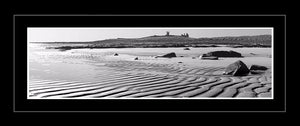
column 150, row 63
column 91, row 62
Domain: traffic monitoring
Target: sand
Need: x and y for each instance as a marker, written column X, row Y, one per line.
column 97, row 73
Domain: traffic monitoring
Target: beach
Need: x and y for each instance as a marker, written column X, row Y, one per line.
column 137, row 73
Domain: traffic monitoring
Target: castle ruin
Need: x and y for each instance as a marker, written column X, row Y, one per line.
column 182, row 35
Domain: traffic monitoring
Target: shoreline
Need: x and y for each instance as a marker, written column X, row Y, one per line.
column 161, row 46
column 99, row 74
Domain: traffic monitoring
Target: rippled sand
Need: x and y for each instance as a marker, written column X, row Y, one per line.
column 96, row 73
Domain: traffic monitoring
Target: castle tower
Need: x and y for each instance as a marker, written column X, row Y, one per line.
column 168, row 33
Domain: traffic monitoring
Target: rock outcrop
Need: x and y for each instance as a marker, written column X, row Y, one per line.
column 206, row 57
column 168, row 55
column 258, row 67
column 237, row 68
column 186, row 48
column 224, row 54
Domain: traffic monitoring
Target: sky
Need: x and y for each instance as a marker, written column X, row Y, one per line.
column 39, row 34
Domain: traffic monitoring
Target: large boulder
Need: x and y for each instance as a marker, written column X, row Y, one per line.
column 237, row 68
column 224, row 54
column 258, row 67
column 168, row 55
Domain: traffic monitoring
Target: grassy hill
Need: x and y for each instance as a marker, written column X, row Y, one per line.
column 170, row 41
column 180, row 41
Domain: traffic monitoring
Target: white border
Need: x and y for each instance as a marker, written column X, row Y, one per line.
column 167, row 28
column 196, row 15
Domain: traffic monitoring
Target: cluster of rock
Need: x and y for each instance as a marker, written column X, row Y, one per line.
column 208, row 56
column 239, row 68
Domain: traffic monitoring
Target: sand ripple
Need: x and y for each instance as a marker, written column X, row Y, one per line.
column 133, row 79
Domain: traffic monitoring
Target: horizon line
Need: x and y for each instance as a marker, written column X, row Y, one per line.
column 151, row 36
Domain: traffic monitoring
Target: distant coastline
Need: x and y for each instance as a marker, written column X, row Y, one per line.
column 163, row 41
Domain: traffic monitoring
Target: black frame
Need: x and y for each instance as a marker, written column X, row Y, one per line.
column 22, row 104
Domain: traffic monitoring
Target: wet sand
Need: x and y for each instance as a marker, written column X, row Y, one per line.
column 97, row 73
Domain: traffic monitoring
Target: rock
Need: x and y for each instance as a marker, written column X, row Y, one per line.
column 116, row 54
column 63, row 48
column 206, row 57
column 186, row 49
column 169, row 55
column 224, row 54
column 136, row 58
column 237, row 68
column 258, row 67
column 256, row 72
column 179, row 62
